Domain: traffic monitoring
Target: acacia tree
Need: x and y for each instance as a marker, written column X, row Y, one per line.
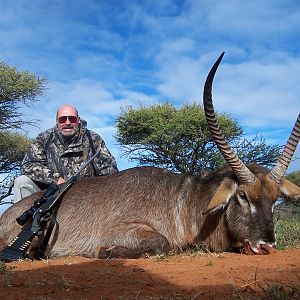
column 17, row 88
column 179, row 140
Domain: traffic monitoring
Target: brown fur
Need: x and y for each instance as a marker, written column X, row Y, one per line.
column 147, row 211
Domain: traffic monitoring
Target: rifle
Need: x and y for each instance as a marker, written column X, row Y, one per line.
column 40, row 213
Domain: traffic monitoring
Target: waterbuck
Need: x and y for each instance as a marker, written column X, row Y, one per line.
column 146, row 211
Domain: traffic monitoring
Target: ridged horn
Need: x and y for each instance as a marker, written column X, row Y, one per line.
column 285, row 158
column 243, row 174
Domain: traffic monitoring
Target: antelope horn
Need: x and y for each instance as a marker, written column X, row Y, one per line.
column 243, row 174
column 285, row 158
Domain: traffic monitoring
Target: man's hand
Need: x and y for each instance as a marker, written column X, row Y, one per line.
column 60, row 180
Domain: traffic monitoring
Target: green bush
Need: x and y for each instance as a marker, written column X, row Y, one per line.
column 287, row 225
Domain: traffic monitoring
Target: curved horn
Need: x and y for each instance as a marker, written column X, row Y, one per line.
column 242, row 172
column 285, row 158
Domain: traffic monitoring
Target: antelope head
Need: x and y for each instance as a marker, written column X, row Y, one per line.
column 249, row 198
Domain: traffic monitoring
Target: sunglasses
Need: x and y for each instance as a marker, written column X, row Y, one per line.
column 63, row 119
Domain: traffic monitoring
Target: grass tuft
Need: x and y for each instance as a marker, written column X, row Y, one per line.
column 287, row 226
column 280, row 292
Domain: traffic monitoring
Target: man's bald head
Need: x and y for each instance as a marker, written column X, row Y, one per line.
column 67, row 120
column 66, row 110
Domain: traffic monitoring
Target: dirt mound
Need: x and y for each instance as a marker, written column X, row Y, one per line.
column 185, row 276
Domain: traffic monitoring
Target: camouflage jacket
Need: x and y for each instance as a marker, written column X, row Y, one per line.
column 49, row 158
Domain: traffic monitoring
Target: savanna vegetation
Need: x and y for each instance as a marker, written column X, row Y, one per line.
column 17, row 88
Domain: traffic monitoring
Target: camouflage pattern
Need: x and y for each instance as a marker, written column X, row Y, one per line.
column 62, row 159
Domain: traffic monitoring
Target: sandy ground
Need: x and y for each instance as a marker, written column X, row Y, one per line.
column 184, row 276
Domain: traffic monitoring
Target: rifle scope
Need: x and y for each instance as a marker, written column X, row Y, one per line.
column 27, row 214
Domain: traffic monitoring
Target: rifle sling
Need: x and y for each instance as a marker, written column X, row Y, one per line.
column 40, row 253
column 93, row 151
column 51, row 207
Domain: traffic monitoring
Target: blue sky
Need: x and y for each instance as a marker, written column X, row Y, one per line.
column 104, row 55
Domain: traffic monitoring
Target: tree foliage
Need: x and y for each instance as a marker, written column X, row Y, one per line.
column 257, row 150
column 179, row 140
column 12, row 149
column 17, row 88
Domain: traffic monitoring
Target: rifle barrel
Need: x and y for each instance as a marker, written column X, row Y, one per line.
column 85, row 164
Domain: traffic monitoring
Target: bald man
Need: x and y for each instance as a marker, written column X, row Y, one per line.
column 57, row 153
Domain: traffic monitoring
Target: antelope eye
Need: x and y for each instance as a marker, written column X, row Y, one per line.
column 243, row 195
column 244, row 200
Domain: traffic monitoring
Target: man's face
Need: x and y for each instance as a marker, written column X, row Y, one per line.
column 67, row 121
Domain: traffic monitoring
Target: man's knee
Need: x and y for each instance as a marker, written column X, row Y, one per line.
column 22, row 180
column 23, row 187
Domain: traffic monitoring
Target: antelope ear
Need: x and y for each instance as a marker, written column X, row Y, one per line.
column 223, row 193
column 289, row 190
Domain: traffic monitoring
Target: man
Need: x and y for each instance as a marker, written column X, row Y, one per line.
column 57, row 154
